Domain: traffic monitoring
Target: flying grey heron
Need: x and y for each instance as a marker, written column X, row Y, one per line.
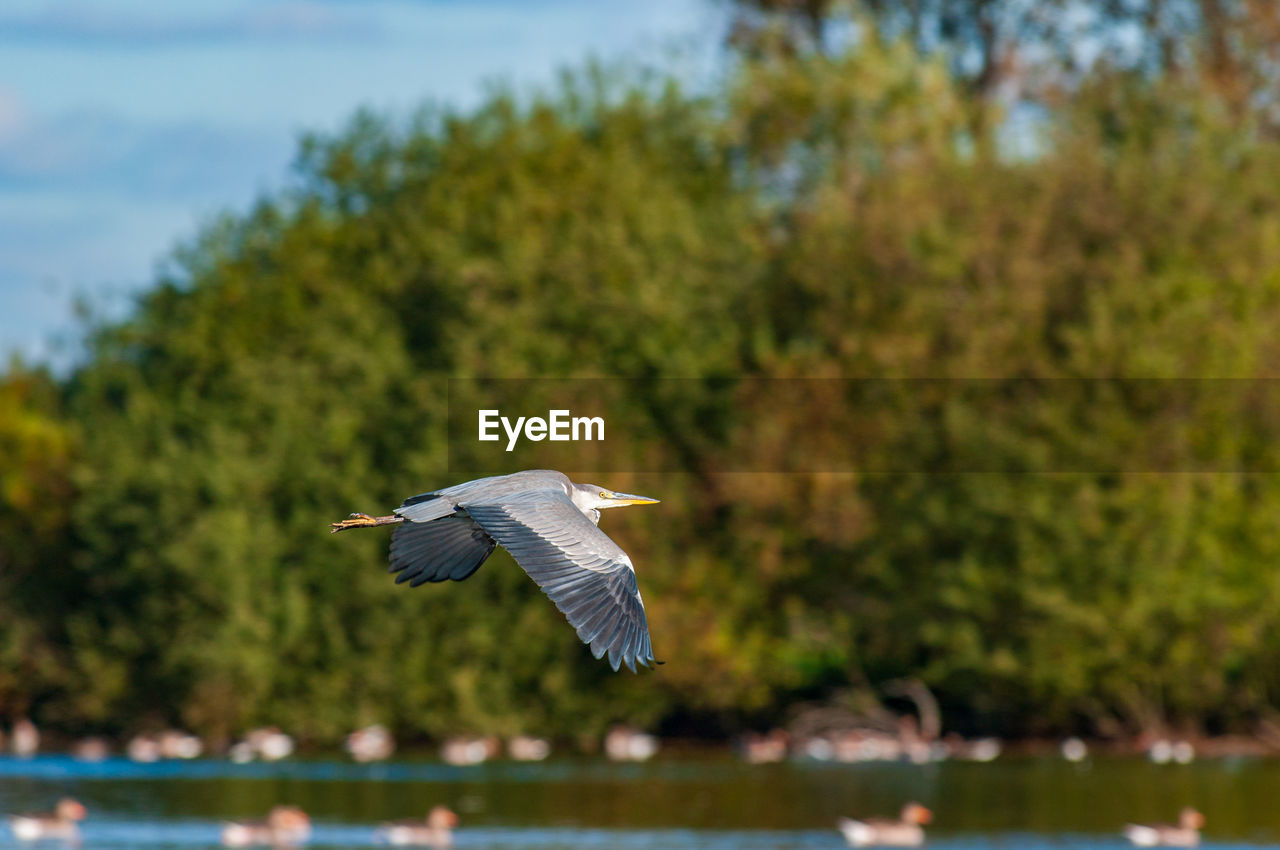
column 548, row 524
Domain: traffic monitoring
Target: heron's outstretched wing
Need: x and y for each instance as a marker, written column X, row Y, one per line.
column 452, row 547
column 587, row 575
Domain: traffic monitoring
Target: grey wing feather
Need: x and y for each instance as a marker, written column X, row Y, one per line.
column 452, row 547
column 426, row 507
column 587, row 575
column 439, row 503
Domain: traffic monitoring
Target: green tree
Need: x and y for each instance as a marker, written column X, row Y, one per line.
column 37, row 451
column 825, row 213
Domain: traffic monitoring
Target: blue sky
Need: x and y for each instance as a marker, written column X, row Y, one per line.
column 125, row 124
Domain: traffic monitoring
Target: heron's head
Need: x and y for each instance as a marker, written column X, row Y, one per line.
column 593, row 497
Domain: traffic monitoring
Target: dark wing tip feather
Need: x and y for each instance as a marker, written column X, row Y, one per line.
column 437, row 550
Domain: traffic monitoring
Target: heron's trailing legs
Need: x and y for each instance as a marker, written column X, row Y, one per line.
column 363, row 521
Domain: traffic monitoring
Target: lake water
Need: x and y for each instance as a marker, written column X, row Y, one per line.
column 691, row 804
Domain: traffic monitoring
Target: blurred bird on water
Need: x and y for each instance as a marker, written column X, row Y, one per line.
column 1186, row 833
column 62, row 824
column 284, row 826
column 24, row 738
column 548, row 524
column 372, row 743
column 907, row 831
column 435, row 831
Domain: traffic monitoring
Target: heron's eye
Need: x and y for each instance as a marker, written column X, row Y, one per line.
column 604, row 495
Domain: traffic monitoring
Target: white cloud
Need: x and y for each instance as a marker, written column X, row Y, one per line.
column 127, row 122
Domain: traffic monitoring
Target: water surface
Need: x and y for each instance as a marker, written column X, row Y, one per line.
column 691, row 804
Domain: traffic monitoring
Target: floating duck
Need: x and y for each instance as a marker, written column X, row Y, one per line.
column 267, row 743
column 240, row 752
column 435, row 831
column 1163, row 751
column 271, row 744
column 1185, row 834
column 1074, row 750
column 143, row 748
column 859, row 745
column 176, row 744
column 626, row 744
column 25, row 738
column 62, row 823
column 284, row 826
column 817, row 749
column 372, row 743
column 980, row 749
column 467, row 751
column 764, row 749
column 528, row 748
column 91, row 749
column 907, row 831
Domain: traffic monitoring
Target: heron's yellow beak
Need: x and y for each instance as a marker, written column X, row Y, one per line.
column 621, row 499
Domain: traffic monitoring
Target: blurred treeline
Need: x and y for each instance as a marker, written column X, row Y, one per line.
column 919, row 189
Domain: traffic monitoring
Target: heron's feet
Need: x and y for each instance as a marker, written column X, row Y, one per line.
column 353, row 521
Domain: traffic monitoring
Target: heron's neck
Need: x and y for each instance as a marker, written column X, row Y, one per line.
column 584, row 504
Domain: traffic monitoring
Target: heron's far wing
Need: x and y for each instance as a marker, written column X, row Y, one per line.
column 587, row 575
column 452, row 547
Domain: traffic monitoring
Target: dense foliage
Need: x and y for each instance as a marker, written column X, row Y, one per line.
column 824, row 213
